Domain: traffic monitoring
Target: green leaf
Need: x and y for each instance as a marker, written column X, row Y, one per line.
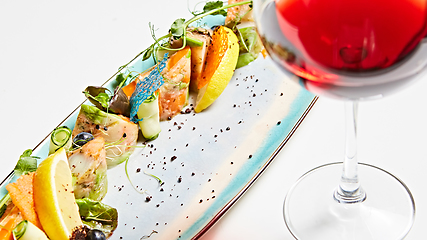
column 215, row 5
column 95, row 114
column 177, row 28
column 98, row 215
column 147, row 53
column 98, row 96
column 103, row 99
column 250, row 46
column 244, row 59
column 26, row 163
column 248, row 39
column 120, row 78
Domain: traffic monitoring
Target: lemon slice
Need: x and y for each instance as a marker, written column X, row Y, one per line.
column 54, row 198
column 221, row 62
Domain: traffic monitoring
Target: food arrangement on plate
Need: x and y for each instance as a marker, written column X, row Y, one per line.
column 61, row 198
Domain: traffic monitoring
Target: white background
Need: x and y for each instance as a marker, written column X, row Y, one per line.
column 51, row 50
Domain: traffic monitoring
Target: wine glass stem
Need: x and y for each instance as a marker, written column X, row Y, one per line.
column 349, row 189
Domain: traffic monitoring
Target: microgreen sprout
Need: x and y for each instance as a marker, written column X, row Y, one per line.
column 154, row 176
column 148, row 236
column 79, row 143
column 116, row 143
column 179, row 29
column 126, row 76
column 152, row 97
column 130, row 181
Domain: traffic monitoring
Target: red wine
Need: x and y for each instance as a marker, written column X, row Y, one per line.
column 352, row 49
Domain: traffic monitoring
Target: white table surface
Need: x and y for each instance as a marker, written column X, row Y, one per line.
column 51, row 50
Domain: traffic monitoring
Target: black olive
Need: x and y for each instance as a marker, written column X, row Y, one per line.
column 82, row 138
column 95, row 234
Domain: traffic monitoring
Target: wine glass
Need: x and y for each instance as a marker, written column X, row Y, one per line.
column 349, row 50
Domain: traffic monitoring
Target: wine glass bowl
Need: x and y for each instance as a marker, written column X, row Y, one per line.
column 349, row 50
column 342, row 74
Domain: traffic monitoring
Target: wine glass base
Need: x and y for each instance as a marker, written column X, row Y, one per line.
column 311, row 212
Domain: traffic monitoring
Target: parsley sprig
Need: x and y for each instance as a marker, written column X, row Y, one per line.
column 26, row 163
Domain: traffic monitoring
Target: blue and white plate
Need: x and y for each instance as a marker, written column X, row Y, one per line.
column 205, row 160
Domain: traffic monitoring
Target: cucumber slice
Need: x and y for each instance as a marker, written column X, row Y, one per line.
column 149, row 112
column 60, row 137
column 150, row 127
column 25, row 230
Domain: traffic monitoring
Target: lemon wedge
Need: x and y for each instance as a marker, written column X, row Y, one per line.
column 221, row 62
column 54, row 198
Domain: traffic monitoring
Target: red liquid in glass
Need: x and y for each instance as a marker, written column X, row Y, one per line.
column 342, row 48
column 353, row 35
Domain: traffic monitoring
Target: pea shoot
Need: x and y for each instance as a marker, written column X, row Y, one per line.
column 178, row 30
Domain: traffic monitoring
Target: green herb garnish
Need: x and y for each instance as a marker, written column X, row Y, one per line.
column 215, row 5
column 98, row 215
column 179, row 27
column 102, row 98
column 25, row 165
column 177, row 30
column 154, row 176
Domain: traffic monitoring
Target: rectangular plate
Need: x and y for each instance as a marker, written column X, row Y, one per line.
column 206, row 160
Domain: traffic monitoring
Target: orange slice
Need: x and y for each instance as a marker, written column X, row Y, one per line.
column 220, row 64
